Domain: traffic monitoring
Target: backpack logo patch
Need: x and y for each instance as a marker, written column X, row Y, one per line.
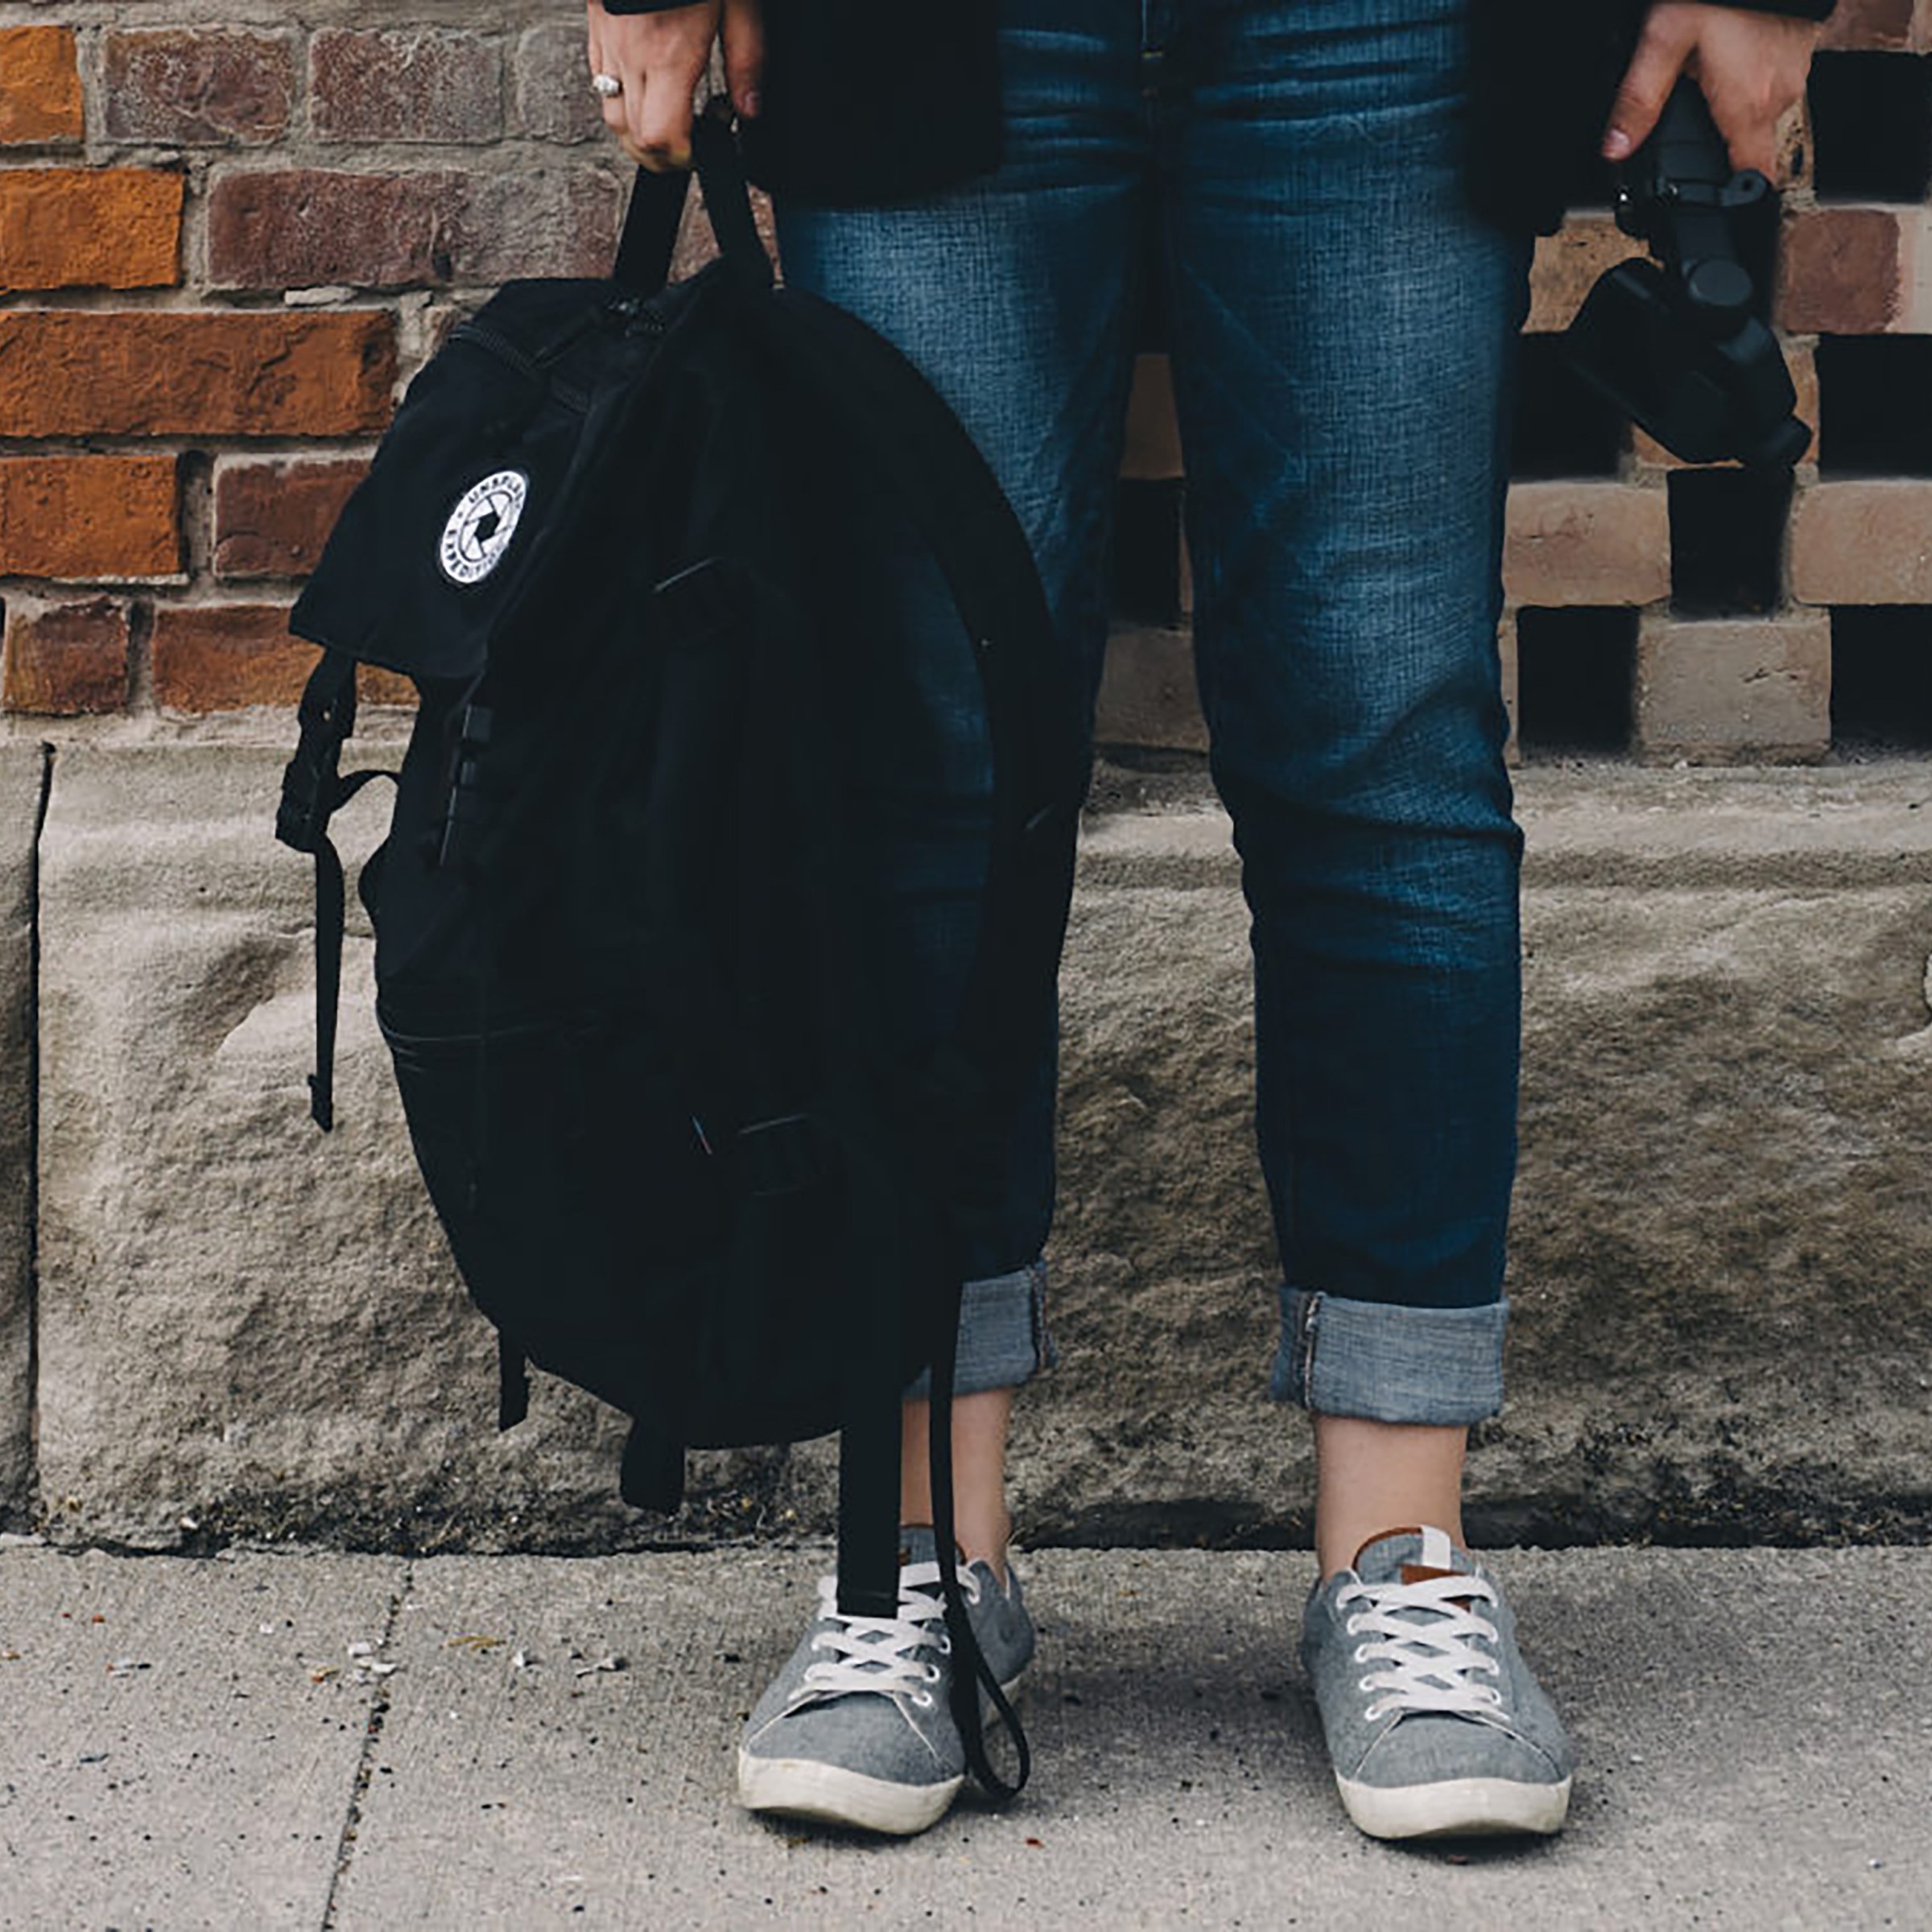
column 481, row 526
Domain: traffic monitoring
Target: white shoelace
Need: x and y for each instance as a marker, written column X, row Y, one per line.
column 1431, row 1663
column 879, row 1653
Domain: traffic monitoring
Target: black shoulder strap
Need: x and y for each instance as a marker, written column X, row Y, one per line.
column 313, row 790
column 897, row 427
column 894, row 426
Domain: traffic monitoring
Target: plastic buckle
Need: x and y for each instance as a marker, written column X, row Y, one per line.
column 779, row 1156
column 302, row 818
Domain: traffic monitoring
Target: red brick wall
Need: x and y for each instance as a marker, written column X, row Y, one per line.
column 224, row 246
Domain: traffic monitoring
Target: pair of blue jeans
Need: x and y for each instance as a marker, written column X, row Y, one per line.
column 1341, row 329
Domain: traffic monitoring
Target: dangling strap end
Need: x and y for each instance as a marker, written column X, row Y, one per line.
column 329, row 982
column 513, row 1384
column 653, row 1476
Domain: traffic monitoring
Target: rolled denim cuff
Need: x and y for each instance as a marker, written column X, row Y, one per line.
column 1389, row 1363
column 1003, row 1338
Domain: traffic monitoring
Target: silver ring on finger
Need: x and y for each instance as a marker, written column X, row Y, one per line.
column 606, row 87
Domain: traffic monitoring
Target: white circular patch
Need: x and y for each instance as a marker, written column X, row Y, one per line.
column 480, row 527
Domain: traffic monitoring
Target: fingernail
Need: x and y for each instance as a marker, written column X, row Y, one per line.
column 1617, row 145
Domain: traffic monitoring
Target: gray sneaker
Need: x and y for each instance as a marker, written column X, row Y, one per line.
column 857, row 1727
column 1436, row 1728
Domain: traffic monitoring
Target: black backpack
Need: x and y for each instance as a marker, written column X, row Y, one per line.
column 654, row 558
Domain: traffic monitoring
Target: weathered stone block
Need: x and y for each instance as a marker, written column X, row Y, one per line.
column 224, row 656
column 21, row 769
column 304, row 227
column 1868, row 541
column 1844, row 271
column 308, row 227
column 246, row 1324
column 1722, row 1245
column 1583, row 544
column 1720, row 1268
column 228, row 657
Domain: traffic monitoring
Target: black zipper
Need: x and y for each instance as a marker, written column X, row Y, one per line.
column 514, row 356
column 500, row 346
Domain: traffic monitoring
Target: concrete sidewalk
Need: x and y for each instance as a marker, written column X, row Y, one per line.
column 206, row 1743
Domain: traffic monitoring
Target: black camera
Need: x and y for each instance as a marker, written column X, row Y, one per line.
column 1683, row 344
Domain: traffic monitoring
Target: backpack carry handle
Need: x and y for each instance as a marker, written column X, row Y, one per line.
column 657, row 210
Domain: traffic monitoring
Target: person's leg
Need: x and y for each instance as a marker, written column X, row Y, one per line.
column 1372, row 1476
column 980, row 1424
column 1015, row 298
column 1342, row 336
column 1343, row 332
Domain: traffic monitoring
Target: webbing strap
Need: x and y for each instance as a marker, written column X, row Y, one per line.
column 653, row 1473
column 970, row 1672
column 790, row 821
column 869, row 1436
column 329, row 920
column 650, row 231
column 512, row 1383
column 313, row 790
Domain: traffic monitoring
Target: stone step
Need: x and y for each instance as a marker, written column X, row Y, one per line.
column 1723, row 1271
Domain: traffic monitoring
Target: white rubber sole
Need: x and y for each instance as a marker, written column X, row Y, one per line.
column 1463, row 1807
column 797, row 1787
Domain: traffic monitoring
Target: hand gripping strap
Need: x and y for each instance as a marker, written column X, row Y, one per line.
column 657, row 210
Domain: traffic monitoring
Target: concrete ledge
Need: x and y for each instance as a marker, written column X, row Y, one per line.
column 248, row 1329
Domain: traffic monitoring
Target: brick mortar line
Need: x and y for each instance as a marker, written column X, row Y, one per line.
column 182, row 300
column 514, row 17
column 301, row 149
column 127, row 443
